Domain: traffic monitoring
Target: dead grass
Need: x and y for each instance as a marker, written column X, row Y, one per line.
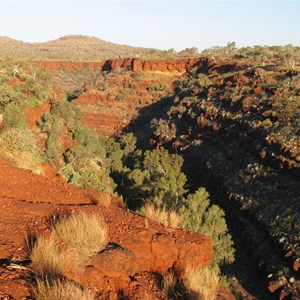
column 47, row 259
column 202, row 283
column 162, row 216
column 82, row 234
column 169, row 284
column 174, row 219
column 60, row 289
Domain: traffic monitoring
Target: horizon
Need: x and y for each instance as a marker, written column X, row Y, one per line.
column 90, row 36
column 155, row 24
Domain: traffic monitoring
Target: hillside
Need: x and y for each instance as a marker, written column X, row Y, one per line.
column 74, row 48
column 46, row 128
column 237, row 126
column 207, row 144
column 30, row 202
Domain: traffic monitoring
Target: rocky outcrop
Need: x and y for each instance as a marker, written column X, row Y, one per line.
column 151, row 250
column 167, row 66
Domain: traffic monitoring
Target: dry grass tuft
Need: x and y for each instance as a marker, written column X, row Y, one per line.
column 174, row 219
column 105, row 199
column 162, row 216
column 60, row 289
column 47, row 259
column 202, row 283
column 169, row 284
column 82, row 234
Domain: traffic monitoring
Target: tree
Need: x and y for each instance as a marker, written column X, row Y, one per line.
column 189, row 52
column 199, row 216
column 155, row 177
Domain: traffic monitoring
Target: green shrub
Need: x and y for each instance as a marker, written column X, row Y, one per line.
column 199, row 216
column 53, row 147
column 9, row 94
column 123, row 94
column 91, row 143
column 19, row 145
column 87, row 178
column 157, row 178
column 18, row 140
column 204, row 80
column 15, row 115
column 157, row 87
column 34, row 102
column 72, row 114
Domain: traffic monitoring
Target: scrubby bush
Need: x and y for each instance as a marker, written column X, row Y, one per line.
column 157, row 178
column 51, row 123
column 88, row 177
column 19, row 145
column 8, row 95
column 157, row 87
column 15, row 115
column 72, row 115
column 204, row 80
column 53, row 147
column 18, row 140
column 34, row 102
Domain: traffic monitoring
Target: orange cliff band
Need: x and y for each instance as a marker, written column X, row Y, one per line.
column 179, row 65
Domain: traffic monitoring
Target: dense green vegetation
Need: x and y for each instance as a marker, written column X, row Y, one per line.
column 20, row 83
column 156, row 176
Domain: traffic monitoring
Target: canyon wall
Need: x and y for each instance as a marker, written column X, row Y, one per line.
column 172, row 66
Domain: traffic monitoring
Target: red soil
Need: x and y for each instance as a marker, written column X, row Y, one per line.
column 35, row 114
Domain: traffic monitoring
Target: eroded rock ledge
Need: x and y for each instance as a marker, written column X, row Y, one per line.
column 170, row 66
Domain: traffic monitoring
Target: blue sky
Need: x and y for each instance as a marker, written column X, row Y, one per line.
column 155, row 24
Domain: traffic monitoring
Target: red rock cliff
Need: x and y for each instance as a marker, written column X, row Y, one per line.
column 178, row 66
